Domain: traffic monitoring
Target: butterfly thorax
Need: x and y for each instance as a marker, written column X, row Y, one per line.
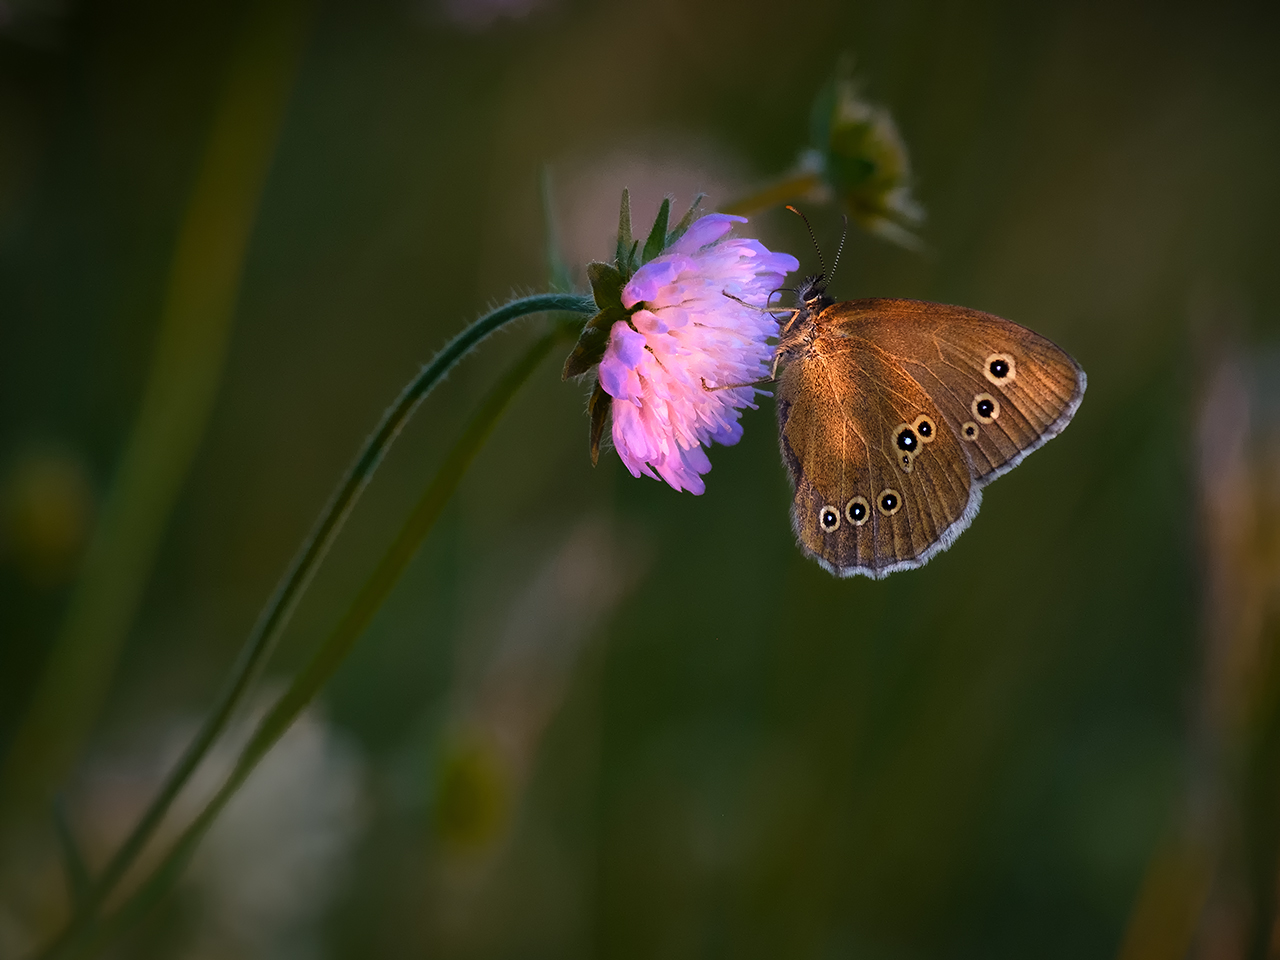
column 800, row 330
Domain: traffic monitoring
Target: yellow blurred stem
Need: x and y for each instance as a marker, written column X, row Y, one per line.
column 1169, row 904
column 92, row 938
column 186, row 368
column 771, row 196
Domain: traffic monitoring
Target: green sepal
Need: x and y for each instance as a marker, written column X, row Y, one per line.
column 626, row 249
column 592, row 343
column 598, row 408
column 686, row 221
column 606, row 287
column 607, row 282
column 658, row 235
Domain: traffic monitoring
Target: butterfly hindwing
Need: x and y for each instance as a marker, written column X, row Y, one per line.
column 880, row 483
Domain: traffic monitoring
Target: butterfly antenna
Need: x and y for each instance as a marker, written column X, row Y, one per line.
column 809, row 226
column 839, row 250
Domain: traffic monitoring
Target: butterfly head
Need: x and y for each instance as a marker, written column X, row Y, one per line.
column 812, row 294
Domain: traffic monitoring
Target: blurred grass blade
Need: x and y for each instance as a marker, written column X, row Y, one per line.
column 557, row 270
column 91, row 938
column 186, row 369
column 73, row 864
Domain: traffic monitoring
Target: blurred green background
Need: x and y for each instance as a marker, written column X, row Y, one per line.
column 598, row 718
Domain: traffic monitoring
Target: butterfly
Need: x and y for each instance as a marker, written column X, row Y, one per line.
column 894, row 414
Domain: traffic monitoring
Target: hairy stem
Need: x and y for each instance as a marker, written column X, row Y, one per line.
column 280, row 606
column 326, row 660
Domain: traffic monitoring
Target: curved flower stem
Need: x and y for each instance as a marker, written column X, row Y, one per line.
column 312, row 678
column 282, row 602
column 796, row 185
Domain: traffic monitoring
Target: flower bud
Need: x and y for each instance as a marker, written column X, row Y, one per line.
column 861, row 159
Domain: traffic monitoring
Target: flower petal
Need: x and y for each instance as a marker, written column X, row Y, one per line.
column 687, row 337
column 646, row 282
column 626, row 344
column 704, row 231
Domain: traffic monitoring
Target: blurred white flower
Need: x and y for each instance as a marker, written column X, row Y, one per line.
column 504, row 702
column 504, row 707
column 273, row 862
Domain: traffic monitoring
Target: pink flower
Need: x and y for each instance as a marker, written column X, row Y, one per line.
column 685, row 332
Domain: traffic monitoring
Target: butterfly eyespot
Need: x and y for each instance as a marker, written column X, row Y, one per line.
column 969, row 430
column 857, row 511
column 904, row 461
column 924, row 428
column 985, row 408
column 999, row 368
column 889, row 502
column 829, row 518
column 907, row 440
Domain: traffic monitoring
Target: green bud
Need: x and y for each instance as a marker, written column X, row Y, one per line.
column 861, row 158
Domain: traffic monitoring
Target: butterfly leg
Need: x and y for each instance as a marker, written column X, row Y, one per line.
column 752, row 306
column 734, row 386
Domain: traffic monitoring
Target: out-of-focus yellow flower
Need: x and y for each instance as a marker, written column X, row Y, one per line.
column 502, row 709
column 46, row 503
column 473, row 792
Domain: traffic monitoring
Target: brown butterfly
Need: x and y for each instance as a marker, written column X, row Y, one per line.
column 894, row 414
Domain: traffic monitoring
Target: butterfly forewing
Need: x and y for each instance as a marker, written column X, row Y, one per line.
column 949, row 351
column 895, row 413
